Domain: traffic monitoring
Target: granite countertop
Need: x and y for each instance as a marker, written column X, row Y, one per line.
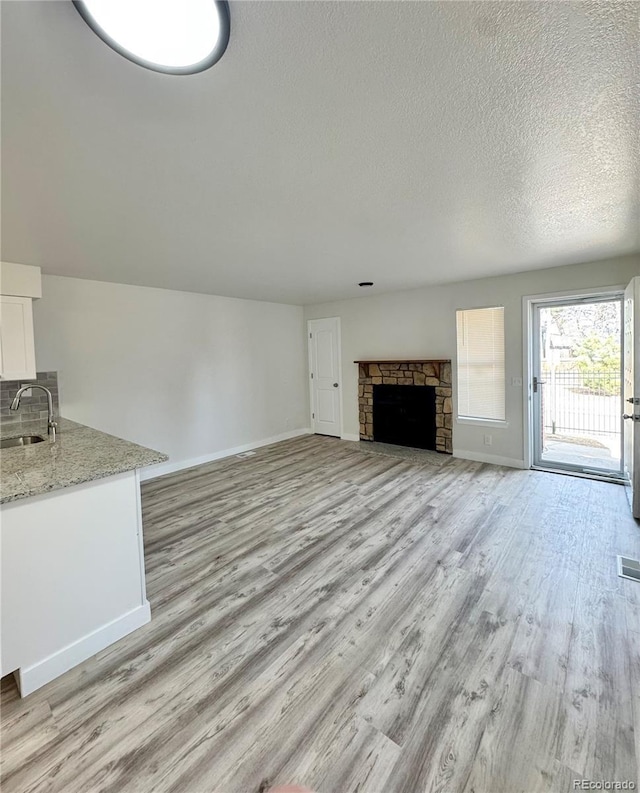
column 79, row 454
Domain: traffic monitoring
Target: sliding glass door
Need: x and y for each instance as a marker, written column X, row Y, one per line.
column 577, row 385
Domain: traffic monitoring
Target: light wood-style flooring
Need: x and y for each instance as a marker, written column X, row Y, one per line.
column 356, row 622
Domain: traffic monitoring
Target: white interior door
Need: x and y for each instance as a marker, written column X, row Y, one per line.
column 324, row 372
column 632, row 393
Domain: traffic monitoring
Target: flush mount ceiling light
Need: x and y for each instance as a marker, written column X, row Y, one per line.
column 171, row 36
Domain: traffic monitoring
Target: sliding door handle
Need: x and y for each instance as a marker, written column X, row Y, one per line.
column 536, row 383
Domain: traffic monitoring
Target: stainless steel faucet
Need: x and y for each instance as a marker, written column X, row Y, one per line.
column 52, row 424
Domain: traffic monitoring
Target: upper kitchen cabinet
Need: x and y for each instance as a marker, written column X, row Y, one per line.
column 20, row 284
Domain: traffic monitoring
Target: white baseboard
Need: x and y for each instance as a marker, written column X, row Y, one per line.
column 349, row 436
column 171, row 467
column 494, row 459
column 32, row 677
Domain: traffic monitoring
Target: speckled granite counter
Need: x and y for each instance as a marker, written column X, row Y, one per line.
column 79, row 454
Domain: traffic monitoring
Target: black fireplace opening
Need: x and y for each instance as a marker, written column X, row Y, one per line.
column 405, row 415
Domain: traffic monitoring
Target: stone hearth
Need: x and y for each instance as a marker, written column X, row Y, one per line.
column 416, row 372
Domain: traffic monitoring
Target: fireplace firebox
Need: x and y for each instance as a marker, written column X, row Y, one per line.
column 428, row 381
column 405, row 415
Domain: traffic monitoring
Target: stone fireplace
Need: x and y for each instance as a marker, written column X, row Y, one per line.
column 434, row 373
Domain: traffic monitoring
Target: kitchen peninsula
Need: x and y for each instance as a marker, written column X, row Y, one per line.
column 72, row 550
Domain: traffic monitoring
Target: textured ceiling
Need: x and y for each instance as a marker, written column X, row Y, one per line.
column 404, row 143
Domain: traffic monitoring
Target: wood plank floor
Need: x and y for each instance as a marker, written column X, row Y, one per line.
column 356, row 622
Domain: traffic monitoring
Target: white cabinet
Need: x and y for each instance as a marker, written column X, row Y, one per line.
column 19, row 284
column 71, row 576
column 17, row 348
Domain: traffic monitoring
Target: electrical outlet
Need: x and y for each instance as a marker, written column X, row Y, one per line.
column 488, row 440
column 28, row 392
column 516, row 382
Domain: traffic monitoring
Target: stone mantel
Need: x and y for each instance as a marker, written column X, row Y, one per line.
column 407, row 360
column 425, row 371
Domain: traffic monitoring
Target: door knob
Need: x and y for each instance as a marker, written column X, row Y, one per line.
column 634, row 400
column 335, row 385
column 633, row 418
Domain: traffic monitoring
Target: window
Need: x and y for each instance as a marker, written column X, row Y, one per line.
column 481, row 380
column 172, row 36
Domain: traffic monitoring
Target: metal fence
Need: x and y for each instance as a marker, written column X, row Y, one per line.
column 582, row 403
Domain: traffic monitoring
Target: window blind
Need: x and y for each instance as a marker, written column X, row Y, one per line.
column 481, row 377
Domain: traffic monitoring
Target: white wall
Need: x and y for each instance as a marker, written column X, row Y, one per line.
column 187, row 374
column 421, row 324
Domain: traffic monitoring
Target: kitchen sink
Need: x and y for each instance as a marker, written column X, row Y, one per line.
column 23, row 440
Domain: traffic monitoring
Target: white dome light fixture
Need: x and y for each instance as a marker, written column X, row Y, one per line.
column 170, row 36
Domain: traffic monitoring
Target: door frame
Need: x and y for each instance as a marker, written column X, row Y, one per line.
column 309, row 373
column 528, row 353
column 632, row 480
